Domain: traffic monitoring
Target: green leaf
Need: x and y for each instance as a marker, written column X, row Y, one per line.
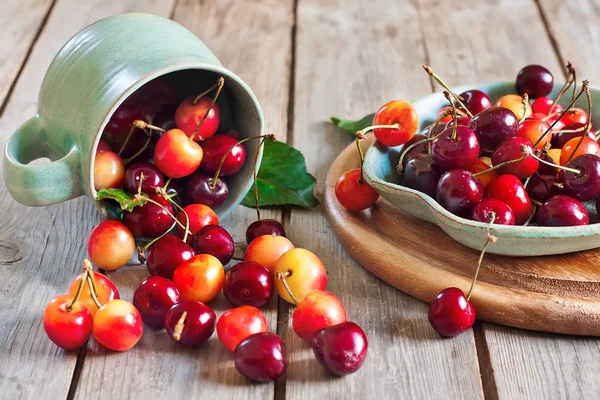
column 283, row 179
column 125, row 200
column 353, row 126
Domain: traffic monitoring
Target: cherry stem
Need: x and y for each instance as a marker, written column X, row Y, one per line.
column 220, row 83
column 587, row 125
column 210, row 89
column 255, row 175
column 554, row 165
column 165, row 209
column 525, row 102
column 572, row 130
column 454, row 120
column 368, row 129
column 269, row 136
column 87, row 265
column 126, row 140
column 573, row 71
column 82, row 283
column 138, row 123
column 557, row 184
column 281, row 276
column 187, row 218
column 536, row 205
column 141, row 250
column 490, row 239
column 361, row 155
column 564, row 88
column 140, row 151
column 178, row 330
column 505, row 163
column 428, row 69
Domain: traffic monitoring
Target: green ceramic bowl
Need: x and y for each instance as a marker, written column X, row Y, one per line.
column 89, row 78
column 380, row 172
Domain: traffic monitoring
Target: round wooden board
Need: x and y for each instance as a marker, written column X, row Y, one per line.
column 552, row 294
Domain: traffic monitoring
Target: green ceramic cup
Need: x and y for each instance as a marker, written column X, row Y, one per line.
column 89, row 78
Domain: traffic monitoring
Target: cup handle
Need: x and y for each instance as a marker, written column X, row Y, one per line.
column 40, row 184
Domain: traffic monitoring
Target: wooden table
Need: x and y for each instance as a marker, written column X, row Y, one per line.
column 306, row 60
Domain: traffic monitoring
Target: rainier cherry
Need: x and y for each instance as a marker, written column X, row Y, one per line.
column 153, row 297
column 200, row 278
column 562, row 211
column 166, row 254
column 248, row 283
column 532, row 130
column 176, row 155
column 587, row 146
column 483, row 164
column 200, row 216
column 395, row 123
column 267, row 249
column 261, row 357
column 353, row 192
column 216, row 241
column 318, row 310
column 190, row 322
column 299, row 271
column 342, row 348
column 104, row 290
column 515, row 103
column 109, row 170
column 237, row 324
column 118, row 325
column 111, row 245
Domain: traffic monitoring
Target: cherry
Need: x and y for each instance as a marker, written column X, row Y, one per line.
column 105, row 291
column 450, row 314
column 176, row 155
column 199, row 190
column 493, row 126
column 153, row 297
column 215, row 149
column 510, row 190
column 111, row 245
column 512, row 149
column 561, row 138
column 574, row 116
column 150, row 220
column 248, row 283
column 353, row 192
column 418, row 149
column 192, row 111
column 552, row 156
column 156, row 93
column 301, row 272
column 108, row 171
column 118, row 325
column 483, row 164
column 397, row 112
column 164, row 119
column 584, row 185
column 267, row 249
column 460, row 113
column 237, row 324
column 190, row 322
column 514, row 103
column 542, row 105
column 200, row 278
column 455, row 148
column 572, row 149
column 534, row 80
column 318, row 310
column 166, row 254
column 216, row 241
column 121, row 121
column 489, row 208
column 532, row 130
column 199, row 215
column 475, row 100
column 562, row 210
column 341, row 349
column 541, row 188
column 264, row 227
column 102, row 147
column 554, row 121
column 458, row 191
column 153, row 178
column 67, row 322
column 422, row 174
column 261, row 357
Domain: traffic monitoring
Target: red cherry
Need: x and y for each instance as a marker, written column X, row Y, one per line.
column 541, row 188
column 512, row 149
column 166, row 254
column 216, row 241
column 534, row 80
column 449, row 152
column 153, row 297
column 176, row 155
column 68, row 328
column 584, row 185
column 199, row 215
column 422, row 174
column 448, row 118
column 396, row 112
column 188, row 115
column 153, row 178
column 199, row 190
column 475, row 100
column 102, row 147
column 510, row 190
column 542, row 105
column 352, row 194
column 493, row 126
column 237, row 324
column 319, row 309
column 532, row 130
column 574, row 116
column 215, row 148
column 342, row 348
column 450, row 314
column 195, row 328
column 489, row 207
column 261, row 357
column 248, row 283
column 562, row 211
column 264, row 227
column 561, row 138
column 150, row 220
column 459, row 191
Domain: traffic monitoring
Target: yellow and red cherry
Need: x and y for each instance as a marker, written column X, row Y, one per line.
column 353, row 192
column 118, row 325
column 199, row 190
column 150, row 220
column 102, row 147
column 574, row 116
column 475, row 100
column 450, row 313
column 510, row 190
column 200, row 216
column 190, row 323
column 542, row 105
column 176, row 155
column 515, row 104
column 512, row 149
column 562, row 210
column 200, row 278
column 459, row 191
column 489, row 208
column 153, row 298
column 166, row 254
column 455, row 148
column 396, row 112
column 67, row 323
column 341, row 349
column 189, row 114
column 448, row 118
column 264, row 227
column 554, row 155
column 533, row 130
column 483, row 164
column 261, row 357
column 301, row 271
column 248, row 283
column 561, row 138
column 105, row 291
column 109, row 170
column 237, row 324
column 216, row 241
column 267, row 249
column 153, row 178
column 111, row 245
column 319, row 309
column 215, row 149
column 571, row 150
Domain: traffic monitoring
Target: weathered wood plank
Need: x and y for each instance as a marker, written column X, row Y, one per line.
column 352, row 57
column 253, row 40
column 41, row 248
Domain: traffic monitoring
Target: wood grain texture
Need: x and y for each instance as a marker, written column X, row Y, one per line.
column 351, row 57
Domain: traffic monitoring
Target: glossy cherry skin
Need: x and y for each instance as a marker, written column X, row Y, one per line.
column 461, row 152
column 199, row 190
column 541, row 188
column 585, row 185
column 153, row 297
column 248, row 283
column 215, row 147
column 319, row 309
column 561, row 138
column 216, row 241
column 166, row 254
column 483, row 164
column 118, row 325
column 264, row 227
column 261, row 357
column 542, row 105
column 512, row 149
column 149, row 220
column 305, row 273
column 552, row 156
column 514, row 103
column 108, row 170
column 396, row 112
column 450, row 314
column 175, row 155
column 562, row 210
column 534, row 80
column 488, row 207
column 341, row 349
column 418, row 149
column 68, row 329
column 102, row 147
column 493, row 126
column 110, row 245
column 422, row 174
column 459, row 191
column 574, row 116
column 105, row 291
column 475, row 100
column 200, row 216
column 188, row 115
column 532, row 130
column 509, row 189
column 200, row 278
column 459, row 114
column 198, row 325
column 153, row 178
column 267, row 249
column 588, row 146
column 237, row 324
column 353, row 194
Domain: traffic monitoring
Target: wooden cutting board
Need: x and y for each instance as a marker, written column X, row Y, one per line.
column 552, row 294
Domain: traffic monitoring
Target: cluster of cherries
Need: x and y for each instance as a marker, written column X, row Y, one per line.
column 185, row 255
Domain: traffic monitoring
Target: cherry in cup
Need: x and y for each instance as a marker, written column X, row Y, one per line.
column 109, row 170
column 490, row 209
column 201, row 188
column 219, row 146
column 542, row 187
column 152, row 178
column 199, row 116
column 493, row 126
column 514, row 149
column 458, row 191
column 150, row 220
column 422, row 173
column 510, row 190
column 582, row 180
column 475, row 100
column 514, row 103
column 455, row 147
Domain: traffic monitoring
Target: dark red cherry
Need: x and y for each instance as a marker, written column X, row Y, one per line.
column 215, row 147
column 167, row 254
column 459, row 152
column 545, row 169
column 475, row 100
column 261, row 357
column 541, row 188
column 248, row 283
column 534, row 80
column 198, row 324
column 164, row 119
column 584, row 185
column 199, row 190
column 493, row 126
column 150, row 220
column 562, row 210
column 450, row 314
column 509, row 189
column 264, row 227
column 216, row 241
column 342, row 348
column 512, row 149
column 489, row 207
column 561, row 138
column 156, row 94
column 153, row 178
column 422, row 174
column 542, row 105
column 418, row 149
column 459, row 191
column 153, row 297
